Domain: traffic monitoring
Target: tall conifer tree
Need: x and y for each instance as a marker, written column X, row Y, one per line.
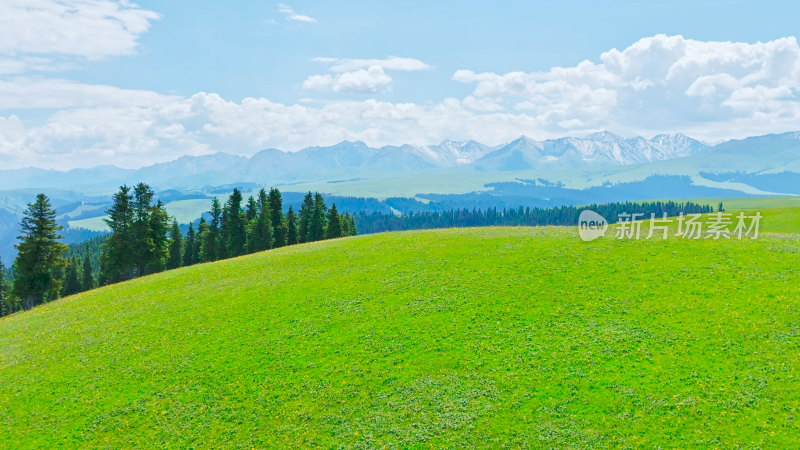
column 157, row 239
column 233, row 227
column 306, row 209
column 334, row 228
column 276, row 209
column 116, row 262
column 142, row 251
column 317, row 224
column 39, row 255
column 175, row 246
column 87, row 282
column 252, row 208
column 6, row 304
column 211, row 236
column 189, row 256
column 72, row 283
column 291, row 227
column 260, row 228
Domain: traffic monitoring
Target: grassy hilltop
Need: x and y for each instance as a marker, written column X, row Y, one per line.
column 488, row 336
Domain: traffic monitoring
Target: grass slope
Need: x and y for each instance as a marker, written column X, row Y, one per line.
column 517, row 336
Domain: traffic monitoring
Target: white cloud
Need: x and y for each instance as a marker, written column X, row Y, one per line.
column 658, row 82
column 131, row 136
column 362, row 81
column 360, row 76
column 709, row 90
column 27, row 93
column 389, row 63
column 292, row 15
column 90, row 29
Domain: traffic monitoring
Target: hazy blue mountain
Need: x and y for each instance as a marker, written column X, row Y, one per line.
column 398, row 159
column 188, row 166
column 520, row 154
column 354, row 159
column 772, row 152
column 343, row 154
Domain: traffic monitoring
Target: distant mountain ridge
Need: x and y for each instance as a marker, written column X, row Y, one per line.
column 349, row 159
column 596, row 150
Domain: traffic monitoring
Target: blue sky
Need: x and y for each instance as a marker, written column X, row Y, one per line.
column 237, row 52
column 95, row 81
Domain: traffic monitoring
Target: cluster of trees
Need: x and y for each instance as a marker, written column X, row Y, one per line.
column 238, row 227
column 562, row 215
column 145, row 240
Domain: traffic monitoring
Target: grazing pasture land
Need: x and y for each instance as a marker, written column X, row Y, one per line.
column 476, row 337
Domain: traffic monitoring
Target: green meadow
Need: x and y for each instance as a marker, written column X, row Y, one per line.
column 488, row 337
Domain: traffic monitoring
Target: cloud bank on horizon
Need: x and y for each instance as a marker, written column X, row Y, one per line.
column 707, row 89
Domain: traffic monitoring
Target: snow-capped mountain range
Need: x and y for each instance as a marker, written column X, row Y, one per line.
column 347, row 160
column 596, row 150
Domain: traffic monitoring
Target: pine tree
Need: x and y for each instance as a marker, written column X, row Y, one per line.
column 39, row 255
column 2, row 289
column 7, row 306
column 316, row 226
column 283, row 230
column 116, row 262
column 197, row 252
column 334, row 228
column 157, row 237
column 306, row 209
column 72, row 284
column 348, row 225
column 252, row 208
column 189, row 257
column 211, row 236
column 291, row 227
column 175, row 246
column 276, row 208
column 260, row 228
column 203, row 230
column 234, row 234
column 142, row 245
column 88, row 278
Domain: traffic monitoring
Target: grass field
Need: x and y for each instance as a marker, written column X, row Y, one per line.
column 467, row 337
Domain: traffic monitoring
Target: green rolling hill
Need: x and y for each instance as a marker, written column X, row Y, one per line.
column 461, row 337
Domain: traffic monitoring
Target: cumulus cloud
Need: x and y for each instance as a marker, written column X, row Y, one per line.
column 661, row 81
column 291, row 15
column 361, row 81
column 360, row 76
